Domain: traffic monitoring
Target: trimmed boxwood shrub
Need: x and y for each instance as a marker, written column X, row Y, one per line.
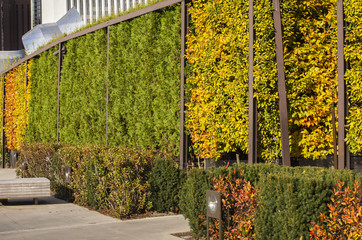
column 193, row 197
column 289, row 204
column 291, row 198
column 166, row 181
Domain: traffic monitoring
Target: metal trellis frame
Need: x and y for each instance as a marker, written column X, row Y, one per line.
column 283, row 110
column 344, row 159
column 252, row 155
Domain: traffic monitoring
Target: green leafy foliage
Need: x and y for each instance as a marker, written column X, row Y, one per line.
column 288, row 205
column 293, row 198
column 110, row 179
column 144, row 81
column 166, row 181
column 113, row 179
column 265, row 82
column 144, row 70
column 42, row 125
column 83, row 90
column 290, row 198
column 192, row 200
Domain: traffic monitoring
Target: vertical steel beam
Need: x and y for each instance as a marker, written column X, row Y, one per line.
column 25, row 93
column 107, row 83
column 3, row 124
column 335, row 159
column 60, row 62
column 252, row 155
column 183, row 137
column 283, row 110
column 343, row 153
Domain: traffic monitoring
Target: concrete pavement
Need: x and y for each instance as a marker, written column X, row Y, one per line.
column 57, row 219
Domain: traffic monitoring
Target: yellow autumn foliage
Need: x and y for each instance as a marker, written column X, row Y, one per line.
column 16, row 97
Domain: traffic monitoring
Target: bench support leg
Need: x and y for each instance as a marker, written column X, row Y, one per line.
column 36, row 201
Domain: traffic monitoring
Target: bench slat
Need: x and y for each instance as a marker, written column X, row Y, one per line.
column 24, row 188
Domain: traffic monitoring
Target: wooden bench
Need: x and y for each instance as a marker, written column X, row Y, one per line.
column 24, row 188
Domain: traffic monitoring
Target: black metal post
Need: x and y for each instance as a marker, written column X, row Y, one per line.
column 107, row 83
column 343, row 153
column 3, row 124
column 283, row 110
column 60, row 62
column 252, row 155
column 183, row 137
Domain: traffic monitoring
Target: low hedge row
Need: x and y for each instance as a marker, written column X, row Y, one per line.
column 290, row 198
column 124, row 181
column 112, row 179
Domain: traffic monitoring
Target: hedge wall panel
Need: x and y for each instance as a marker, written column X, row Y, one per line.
column 16, row 116
column 217, row 115
column 83, row 90
column 353, row 54
column 144, row 81
column 43, row 104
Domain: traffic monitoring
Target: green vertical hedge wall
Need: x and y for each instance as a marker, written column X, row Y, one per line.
column 83, row 90
column 43, row 103
column 144, row 86
column 145, row 81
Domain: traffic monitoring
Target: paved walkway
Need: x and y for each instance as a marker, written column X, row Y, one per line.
column 57, row 219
